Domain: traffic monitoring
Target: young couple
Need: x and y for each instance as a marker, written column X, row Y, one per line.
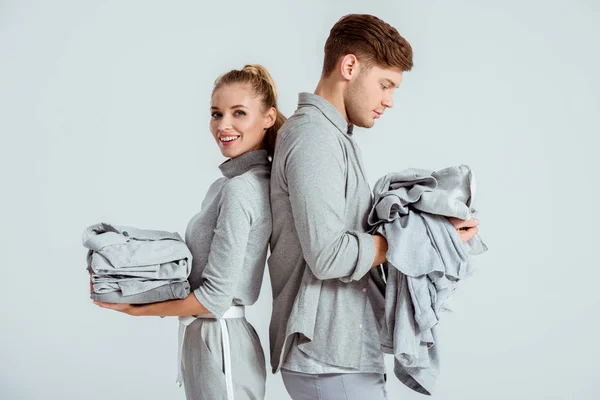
column 301, row 185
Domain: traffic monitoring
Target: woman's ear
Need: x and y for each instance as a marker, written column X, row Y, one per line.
column 270, row 117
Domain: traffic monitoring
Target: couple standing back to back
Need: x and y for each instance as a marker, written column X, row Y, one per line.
column 312, row 200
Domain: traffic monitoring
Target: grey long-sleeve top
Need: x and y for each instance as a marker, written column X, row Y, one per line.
column 322, row 320
column 228, row 238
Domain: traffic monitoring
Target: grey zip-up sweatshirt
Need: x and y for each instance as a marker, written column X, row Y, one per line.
column 228, row 238
column 322, row 320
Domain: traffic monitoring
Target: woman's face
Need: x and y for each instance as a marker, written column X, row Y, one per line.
column 238, row 122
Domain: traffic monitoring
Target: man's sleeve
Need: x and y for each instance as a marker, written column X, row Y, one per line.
column 315, row 173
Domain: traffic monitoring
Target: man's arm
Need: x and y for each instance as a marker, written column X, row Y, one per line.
column 314, row 171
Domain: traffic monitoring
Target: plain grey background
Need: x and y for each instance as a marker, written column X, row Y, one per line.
column 104, row 117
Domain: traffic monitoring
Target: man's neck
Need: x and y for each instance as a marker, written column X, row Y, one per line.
column 333, row 93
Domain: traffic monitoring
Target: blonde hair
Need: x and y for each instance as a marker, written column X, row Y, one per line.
column 264, row 88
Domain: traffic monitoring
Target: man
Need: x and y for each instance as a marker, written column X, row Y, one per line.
column 324, row 335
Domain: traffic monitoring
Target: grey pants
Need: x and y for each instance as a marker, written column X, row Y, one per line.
column 354, row 386
column 203, row 367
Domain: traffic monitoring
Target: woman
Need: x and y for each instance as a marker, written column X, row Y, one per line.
column 220, row 353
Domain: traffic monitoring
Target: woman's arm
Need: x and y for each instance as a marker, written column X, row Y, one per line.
column 171, row 308
column 237, row 211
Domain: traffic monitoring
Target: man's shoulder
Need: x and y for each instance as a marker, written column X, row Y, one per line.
column 306, row 127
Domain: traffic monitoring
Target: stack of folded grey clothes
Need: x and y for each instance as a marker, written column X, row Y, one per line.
column 426, row 260
column 136, row 266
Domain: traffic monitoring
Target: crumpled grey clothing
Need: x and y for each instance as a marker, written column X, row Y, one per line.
column 421, row 274
column 448, row 192
column 133, row 261
column 168, row 291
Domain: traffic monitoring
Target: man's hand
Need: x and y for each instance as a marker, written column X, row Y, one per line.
column 381, row 248
column 465, row 228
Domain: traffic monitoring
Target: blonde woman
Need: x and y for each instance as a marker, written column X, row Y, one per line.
column 220, row 353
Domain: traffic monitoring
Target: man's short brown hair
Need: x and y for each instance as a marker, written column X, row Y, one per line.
column 370, row 39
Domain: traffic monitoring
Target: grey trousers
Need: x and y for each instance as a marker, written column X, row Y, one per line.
column 352, row 386
column 203, row 367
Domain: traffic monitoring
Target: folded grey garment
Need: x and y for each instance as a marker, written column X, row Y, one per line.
column 100, row 265
column 170, row 291
column 128, row 286
column 121, row 250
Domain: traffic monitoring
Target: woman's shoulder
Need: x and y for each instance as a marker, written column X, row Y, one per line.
column 251, row 185
column 249, row 192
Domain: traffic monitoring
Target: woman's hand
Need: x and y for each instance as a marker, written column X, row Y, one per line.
column 169, row 308
column 130, row 309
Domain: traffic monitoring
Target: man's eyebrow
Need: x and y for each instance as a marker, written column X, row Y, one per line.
column 391, row 82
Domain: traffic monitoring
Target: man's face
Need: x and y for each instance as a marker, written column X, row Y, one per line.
column 370, row 94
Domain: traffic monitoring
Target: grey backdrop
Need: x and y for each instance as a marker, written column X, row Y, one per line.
column 104, row 117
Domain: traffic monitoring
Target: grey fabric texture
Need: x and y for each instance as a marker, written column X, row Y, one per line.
column 426, row 260
column 229, row 237
column 168, row 291
column 340, row 386
column 229, row 241
column 320, row 252
column 128, row 261
column 203, row 370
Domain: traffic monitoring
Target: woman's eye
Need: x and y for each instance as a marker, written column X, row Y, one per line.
column 240, row 113
column 215, row 115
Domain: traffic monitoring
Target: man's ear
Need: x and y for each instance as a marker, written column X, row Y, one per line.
column 349, row 66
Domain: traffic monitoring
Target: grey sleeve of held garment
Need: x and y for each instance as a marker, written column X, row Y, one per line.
column 316, row 179
column 228, row 247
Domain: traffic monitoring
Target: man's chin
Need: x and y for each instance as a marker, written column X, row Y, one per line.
column 366, row 124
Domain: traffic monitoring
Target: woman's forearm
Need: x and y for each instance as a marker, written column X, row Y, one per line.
column 174, row 308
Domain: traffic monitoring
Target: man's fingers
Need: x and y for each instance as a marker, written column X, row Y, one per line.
column 466, row 235
column 460, row 223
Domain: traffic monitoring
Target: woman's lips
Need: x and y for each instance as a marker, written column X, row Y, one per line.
column 228, row 140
